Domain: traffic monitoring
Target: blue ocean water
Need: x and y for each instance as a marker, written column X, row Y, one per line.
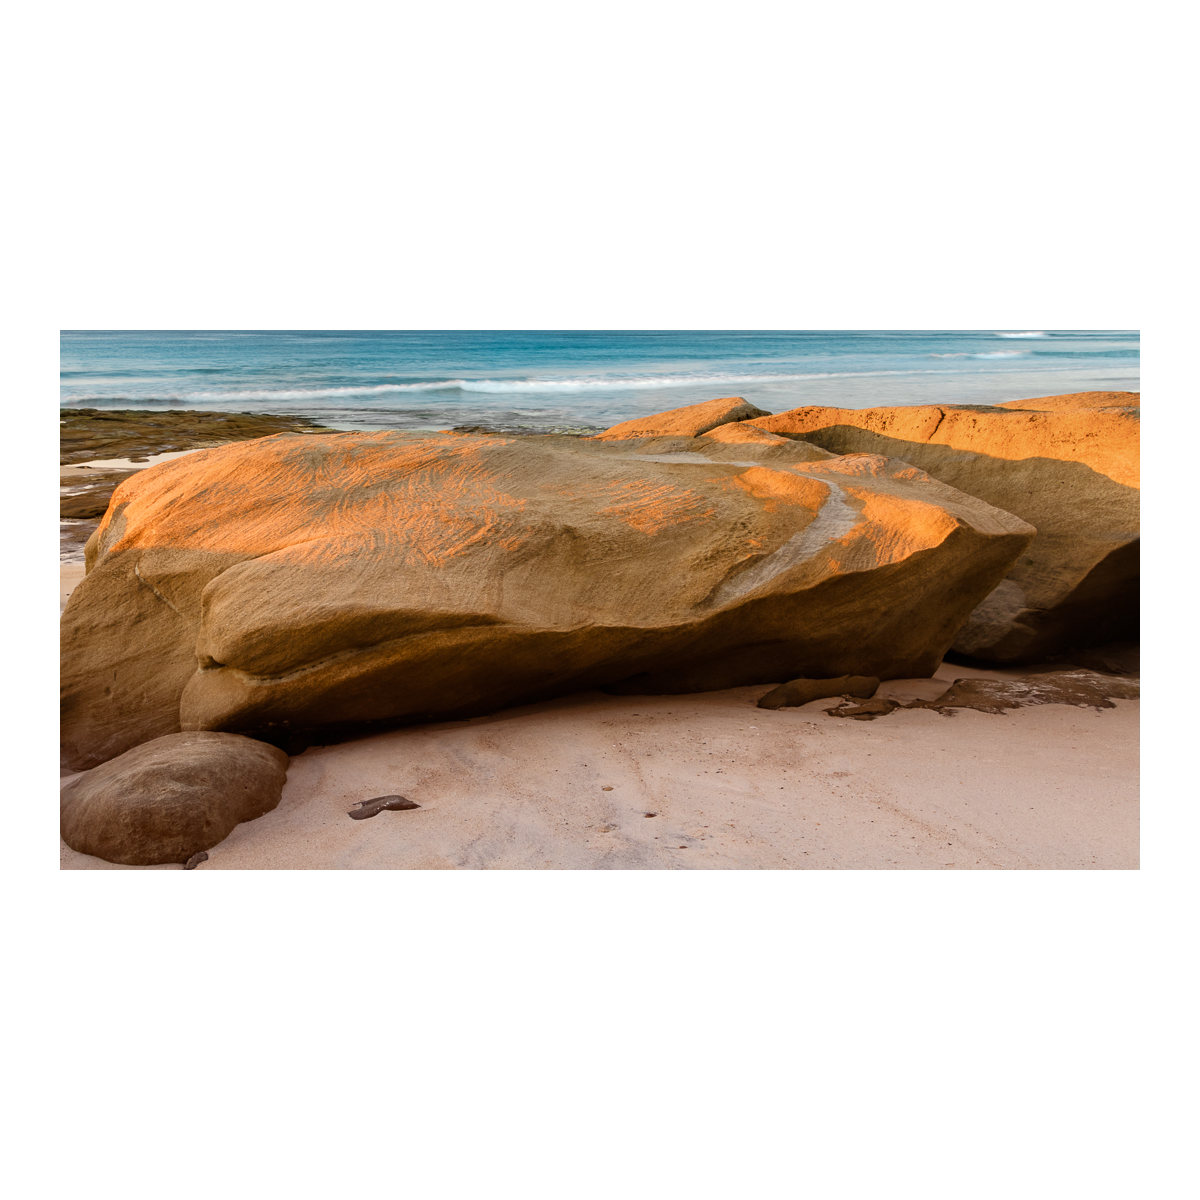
column 576, row 381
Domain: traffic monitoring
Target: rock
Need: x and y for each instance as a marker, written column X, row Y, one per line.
column 865, row 712
column 1066, row 464
column 86, row 434
column 1076, row 401
column 372, row 808
column 171, row 798
column 743, row 431
column 1085, row 689
column 339, row 582
column 196, row 859
column 1117, row 658
column 86, row 496
column 802, row 691
column 690, row 421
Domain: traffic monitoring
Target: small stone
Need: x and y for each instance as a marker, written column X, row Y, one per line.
column 606, row 789
column 867, row 711
column 196, row 859
column 651, row 814
column 372, row 808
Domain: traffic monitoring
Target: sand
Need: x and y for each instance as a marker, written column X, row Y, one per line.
column 128, row 464
column 566, row 785
column 69, row 575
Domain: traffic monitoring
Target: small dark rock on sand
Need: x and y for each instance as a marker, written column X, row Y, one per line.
column 372, row 808
column 867, row 711
column 196, row 859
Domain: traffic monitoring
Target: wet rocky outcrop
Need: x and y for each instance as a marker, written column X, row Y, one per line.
column 86, row 434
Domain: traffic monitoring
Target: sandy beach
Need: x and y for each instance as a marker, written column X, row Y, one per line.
column 732, row 786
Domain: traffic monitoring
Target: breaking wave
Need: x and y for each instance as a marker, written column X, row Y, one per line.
column 526, row 386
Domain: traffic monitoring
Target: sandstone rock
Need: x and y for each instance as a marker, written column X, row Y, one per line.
column 366, row 809
column 689, row 421
column 327, row 582
column 1066, row 464
column 869, row 711
column 171, row 798
column 1084, row 689
column 91, row 433
column 802, row 691
column 86, row 496
column 1077, row 400
column 743, row 431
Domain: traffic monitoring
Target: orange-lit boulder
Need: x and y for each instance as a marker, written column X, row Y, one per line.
column 324, row 582
column 1066, row 464
column 689, row 421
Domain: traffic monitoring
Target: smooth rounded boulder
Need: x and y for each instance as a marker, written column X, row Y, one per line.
column 170, row 798
column 344, row 582
column 1069, row 465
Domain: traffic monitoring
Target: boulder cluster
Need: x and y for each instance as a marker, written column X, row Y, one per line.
column 323, row 584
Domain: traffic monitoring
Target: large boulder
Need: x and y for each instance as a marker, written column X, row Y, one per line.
column 172, row 797
column 325, row 582
column 1066, row 464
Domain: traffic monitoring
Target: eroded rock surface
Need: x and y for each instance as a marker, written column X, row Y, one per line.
column 1069, row 465
column 170, row 799
column 83, row 499
column 1085, row 689
column 333, row 581
column 689, row 421
column 796, row 692
column 104, row 433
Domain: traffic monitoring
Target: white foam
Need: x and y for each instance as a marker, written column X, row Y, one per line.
column 519, row 386
column 1032, row 333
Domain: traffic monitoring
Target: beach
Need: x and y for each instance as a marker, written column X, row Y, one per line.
column 732, row 787
column 700, row 779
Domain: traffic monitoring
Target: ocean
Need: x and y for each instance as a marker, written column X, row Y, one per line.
column 575, row 381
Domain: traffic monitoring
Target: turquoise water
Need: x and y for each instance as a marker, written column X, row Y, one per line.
column 576, row 380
